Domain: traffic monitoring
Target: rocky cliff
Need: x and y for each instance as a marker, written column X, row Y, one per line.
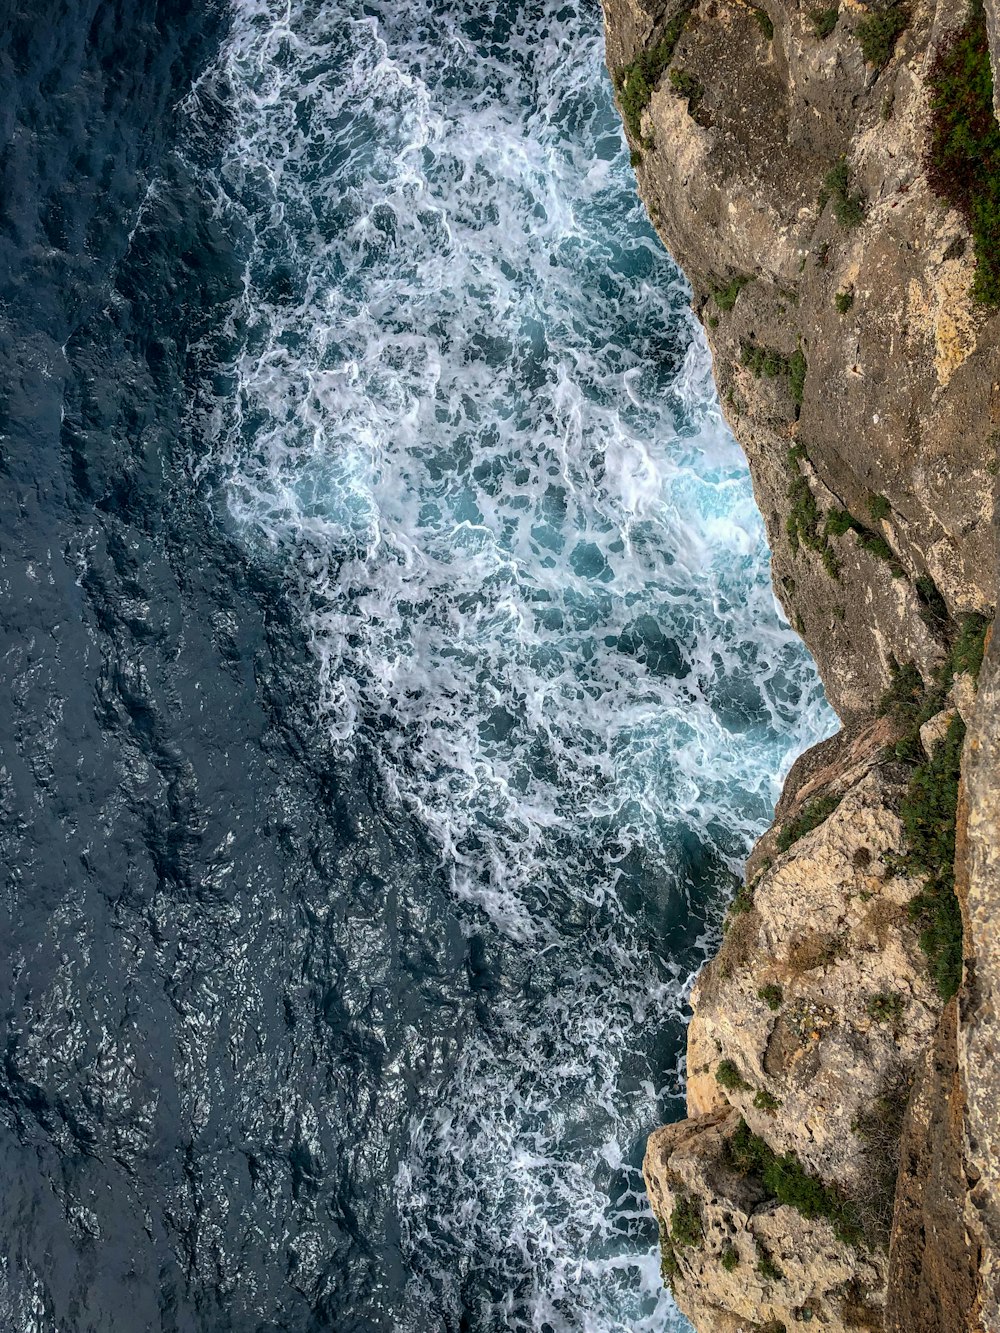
column 829, row 180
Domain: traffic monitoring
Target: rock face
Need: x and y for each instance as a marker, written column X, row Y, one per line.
column 790, row 158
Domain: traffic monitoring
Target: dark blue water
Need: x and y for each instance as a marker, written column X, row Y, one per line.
column 392, row 681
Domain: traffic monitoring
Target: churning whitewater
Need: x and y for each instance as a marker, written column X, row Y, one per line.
column 462, row 408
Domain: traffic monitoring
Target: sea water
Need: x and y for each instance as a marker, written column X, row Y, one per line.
column 462, row 408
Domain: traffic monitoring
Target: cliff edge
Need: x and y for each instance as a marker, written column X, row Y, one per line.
column 829, row 180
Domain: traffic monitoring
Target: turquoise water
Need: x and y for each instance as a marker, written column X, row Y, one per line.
column 463, row 413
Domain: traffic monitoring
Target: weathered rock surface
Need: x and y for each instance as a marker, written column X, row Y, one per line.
column 813, row 1274
column 979, row 1030
column 901, row 397
column 863, row 381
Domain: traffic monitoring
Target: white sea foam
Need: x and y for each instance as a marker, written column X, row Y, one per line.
column 473, row 424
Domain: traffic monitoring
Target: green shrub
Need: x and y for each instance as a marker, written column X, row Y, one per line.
column 875, row 544
column 725, row 297
column 879, row 33
column 879, row 507
column 848, row 208
column 766, row 1101
column 766, row 1266
column 635, row 82
column 686, row 85
column 770, row 363
column 843, row 301
column 729, row 1077
column 886, row 1007
column 785, row 1179
column 970, row 646
column 928, row 812
column 669, row 1267
column 742, row 901
column 928, row 816
column 730, row 1258
column 772, row 995
column 764, row 23
column 685, row 1222
column 963, row 156
column 905, row 695
column 839, row 521
column 811, row 817
column 763, row 360
column 823, row 21
column 802, row 523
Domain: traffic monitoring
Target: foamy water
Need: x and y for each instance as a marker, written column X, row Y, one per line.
column 468, row 416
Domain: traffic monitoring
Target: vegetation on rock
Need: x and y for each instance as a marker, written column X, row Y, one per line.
column 802, row 525
column 841, row 521
column 729, row 1077
column 824, row 21
column 843, row 301
column 687, row 86
column 848, row 207
column 763, row 19
column 970, row 645
column 669, row 1266
column 685, row 1222
column 879, row 1128
column 772, row 995
column 766, row 1101
column 879, row 33
column 785, row 1179
column 963, row 157
column 725, row 297
column 811, row 817
column 928, row 810
column 928, row 815
column 766, row 1266
column 635, row 82
column 886, row 1007
column 770, row 363
column 933, row 608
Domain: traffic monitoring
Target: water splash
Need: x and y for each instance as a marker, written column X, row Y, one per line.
column 466, row 411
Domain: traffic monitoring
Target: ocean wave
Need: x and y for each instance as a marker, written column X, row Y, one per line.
column 462, row 406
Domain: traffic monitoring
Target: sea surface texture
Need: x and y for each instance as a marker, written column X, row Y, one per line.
column 393, row 683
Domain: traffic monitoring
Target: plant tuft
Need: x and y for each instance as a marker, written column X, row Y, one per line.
column 823, row 21
column 879, row 33
column 685, row 1222
column 811, row 817
column 785, row 1179
column 728, row 1076
column 772, row 995
column 848, row 208
column 963, row 156
column 635, row 82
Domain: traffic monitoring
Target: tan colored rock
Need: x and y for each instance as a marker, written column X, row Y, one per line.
column 935, row 729
column 979, row 1034
column 819, row 1001
column 813, row 1272
column 893, row 383
column 857, row 1007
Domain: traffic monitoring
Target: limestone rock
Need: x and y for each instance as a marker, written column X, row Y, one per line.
column 736, row 184
column 787, row 177
column 808, row 1274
